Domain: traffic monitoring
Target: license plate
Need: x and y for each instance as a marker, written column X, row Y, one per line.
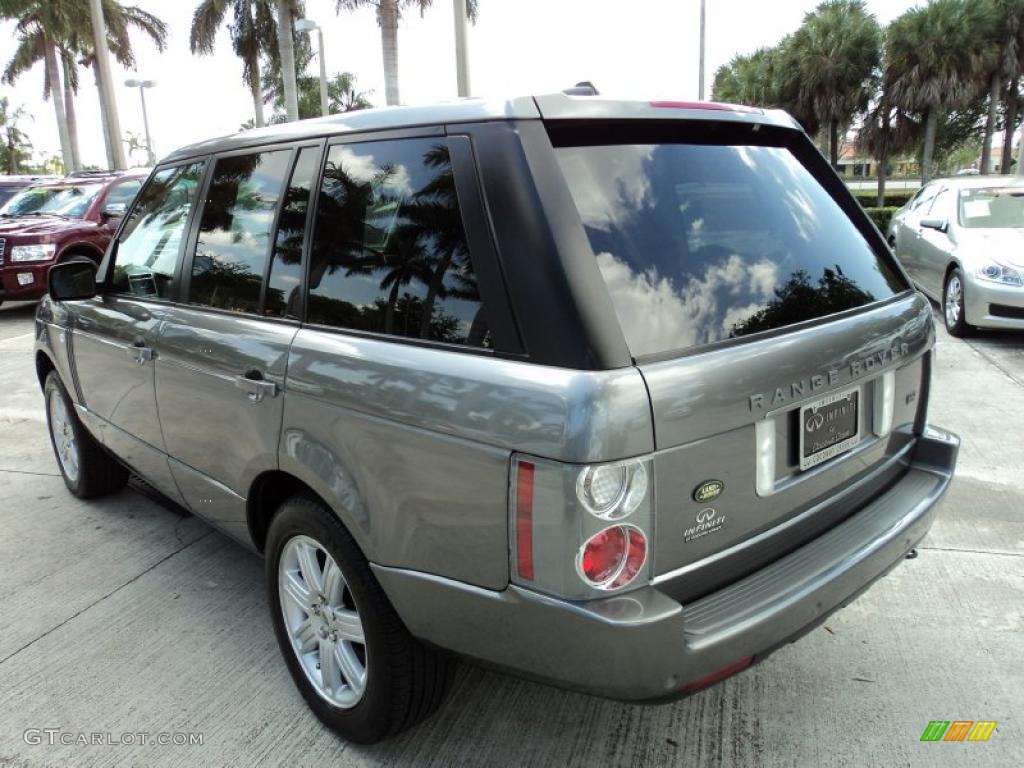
column 828, row 427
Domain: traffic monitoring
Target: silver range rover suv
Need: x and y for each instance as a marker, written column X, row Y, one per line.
column 620, row 396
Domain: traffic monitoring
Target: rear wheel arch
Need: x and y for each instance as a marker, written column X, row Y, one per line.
column 269, row 491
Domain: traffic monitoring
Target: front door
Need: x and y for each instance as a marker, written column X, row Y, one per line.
column 116, row 332
column 222, row 354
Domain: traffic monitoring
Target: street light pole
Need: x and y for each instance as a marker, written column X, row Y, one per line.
column 142, row 85
column 700, row 87
column 308, row 25
column 461, row 48
column 106, row 84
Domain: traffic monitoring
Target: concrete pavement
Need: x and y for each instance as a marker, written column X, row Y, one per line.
column 121, row 616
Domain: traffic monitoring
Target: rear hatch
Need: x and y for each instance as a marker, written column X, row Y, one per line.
column 783, row 349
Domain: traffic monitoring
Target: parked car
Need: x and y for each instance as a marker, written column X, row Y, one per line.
column 621, row 396
column 45, row 224
column 12, row 184
column 961, row 240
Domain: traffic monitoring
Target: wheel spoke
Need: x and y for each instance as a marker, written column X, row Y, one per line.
column 349, row 625
column 333, row 582
column 296, row 589
column 351, row 668
column 310, row 568
column 307, row 635
column 330, row 671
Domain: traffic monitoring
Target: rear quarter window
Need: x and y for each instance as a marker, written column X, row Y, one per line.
column 699, row 243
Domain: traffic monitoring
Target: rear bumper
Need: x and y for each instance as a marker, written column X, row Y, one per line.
column 644, row 645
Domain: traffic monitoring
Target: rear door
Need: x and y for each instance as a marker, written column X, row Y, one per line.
column 780, row 344
column 223, row 351
column 115, row 333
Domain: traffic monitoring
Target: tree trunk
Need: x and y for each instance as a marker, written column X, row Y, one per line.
column 69, row 108
column 103, row 123
column 257, row 91
column 990, row 126
column 833, row 143
column 105, row 84
column 883, row 158
column 286, row 47
column 931, row 124
column 1011, row 126
column 388, row 18
column 56, row 94
column 12, row 153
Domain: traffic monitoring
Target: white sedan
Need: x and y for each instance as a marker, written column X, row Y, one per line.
column 962, row 242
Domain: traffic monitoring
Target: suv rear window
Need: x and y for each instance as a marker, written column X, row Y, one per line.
column 703, row 242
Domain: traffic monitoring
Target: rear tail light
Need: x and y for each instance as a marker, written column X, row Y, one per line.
column 612, row 558
column 524, row 520
column 562, row 541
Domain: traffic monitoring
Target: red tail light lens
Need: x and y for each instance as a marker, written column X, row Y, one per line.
column 603, row 554
column 524, row 520
column 613, row 558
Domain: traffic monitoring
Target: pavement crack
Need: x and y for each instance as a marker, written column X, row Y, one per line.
column 112, row 592
column 27, row 472
column 973, row 551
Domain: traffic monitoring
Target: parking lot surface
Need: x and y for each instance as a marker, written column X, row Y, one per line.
column 121, row 617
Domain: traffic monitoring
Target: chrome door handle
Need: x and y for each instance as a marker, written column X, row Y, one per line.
column 256, row 388
column 140, row 353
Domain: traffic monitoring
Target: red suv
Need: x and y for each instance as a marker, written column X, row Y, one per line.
column 48, row 223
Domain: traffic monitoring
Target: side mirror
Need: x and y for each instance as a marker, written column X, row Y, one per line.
column 72, row 280
column 114, row 210
column 936, row 222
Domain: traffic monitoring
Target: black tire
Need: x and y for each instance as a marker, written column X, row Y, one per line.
column 956, row 327
column 405, row 681
column 99, row 474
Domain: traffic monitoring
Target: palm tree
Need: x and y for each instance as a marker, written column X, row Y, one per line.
column 388, row 13
column 253, row 34
column 828, row 65
column 15, row 145
column 939, row 63
column 66, row 25
column 41, row 24
column 1009, row 42
column 885, row 132
column 286, row 51
column 342, row 96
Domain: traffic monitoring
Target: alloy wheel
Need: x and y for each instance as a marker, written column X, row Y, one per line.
column 954, row 301
column 63, row 433
column 322, row 621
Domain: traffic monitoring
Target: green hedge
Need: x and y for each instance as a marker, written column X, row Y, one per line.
column 881, row 216
column 895, row 199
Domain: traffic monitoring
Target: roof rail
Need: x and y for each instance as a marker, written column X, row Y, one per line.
column 80, row 174
column 582, row 88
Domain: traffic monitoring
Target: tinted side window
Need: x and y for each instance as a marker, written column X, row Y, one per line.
column 389, row 251
column 286, row 263
column 146, row 260
column 123, row 193
column 923, row 198
column 942, row 205
column 234, row 231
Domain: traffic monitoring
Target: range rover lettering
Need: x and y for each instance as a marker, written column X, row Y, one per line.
column 618, row 396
